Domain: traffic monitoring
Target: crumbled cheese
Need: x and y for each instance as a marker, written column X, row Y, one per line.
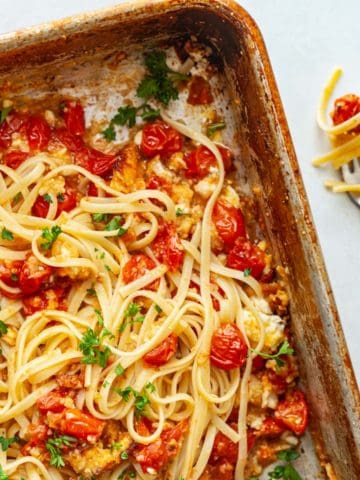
column 54, row 186
column 206, row 187
column 176, row 161
column 273, row 325
column 269, row 399
column 231, row 196
column 156, row 167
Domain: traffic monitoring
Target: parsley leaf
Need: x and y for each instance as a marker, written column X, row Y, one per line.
column 100, row 217
column 159, row 83
column 132, row 310
column 99, row 317
column 61, row 198
column 54, row 445
column 150, row 386
column 14, row 277
column 247, row 272
column 124, row 455
column 3, row 475
column 47, row 198
column 287, row 471
column 6, row 234
column 149, row 113
column 4, row 113
column 211, row 129
column 115, row 224
column 6, row 442
column 109, row 133
column 3, row 328
column 288, row 455
column 17, row 197
column 158, row 309
column 125, row 116
column 141, row 400
column 284, row 349
column 179, row 212
column 93, row 349
column 91, row 292
column 119, row 370
column 50, row 236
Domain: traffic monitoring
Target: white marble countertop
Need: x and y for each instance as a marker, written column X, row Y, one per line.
column 305, row 40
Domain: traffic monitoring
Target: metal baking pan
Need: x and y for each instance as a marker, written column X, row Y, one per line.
column 46, row 59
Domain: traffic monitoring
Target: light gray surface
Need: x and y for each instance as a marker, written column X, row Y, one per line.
column 305, row 40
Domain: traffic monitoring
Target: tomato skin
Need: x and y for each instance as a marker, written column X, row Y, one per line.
column 244, row 255
column 5, row 135
column 159, row 183
column 38, row 434
column 200, row 160
column 10, row 270
column 38, row 133
column 72, row 142
column 15, row 122
column 224, row 450
column 199, row 92
column 258, row 364
column 157, row 454
column 52, row 298
column 15, row 159
column 80, row 425
column 228, row 347
column 162, row 353
column 41, row 206
column 74, row 117
column 344, row 108
column 94, row 161
column 33, row 275
column 92, row 190
column 53, row 401
column 159, row 138
column 271, row 428
column 229, row 222
column 167, row 247
column 293, row 412
column 136, row 267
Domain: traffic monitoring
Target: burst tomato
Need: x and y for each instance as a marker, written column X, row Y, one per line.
column 167, row 247
column 158, row 138
column 38, row 434
column 162, row 353
column 136, row 267
column 66, row 203
column 246, row 255
column 52, row 299
column 33, row 275
column 15, row 122
column 15, row 159
column 271, row 428
column 80, row 425
column 94, row 161
column 293, row 412
column 258, row 364
column 38, row 133
column 92, row 190
column 225, row 450
column 200, row 160
column 5, row 135
column 74, row 117
column 199, row 92
column 9, row 274
column 344, row 108
column 229, row 222
column 72, row 142
column 228, row 347
column 52, row 402
column 159, row 183
column 40, row 207
column 157, row 454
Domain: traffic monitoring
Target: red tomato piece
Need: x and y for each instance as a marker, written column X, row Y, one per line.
column 159, row 183
column 15, row 122
column 15, row 159
column 271, row 428
column 33, row 275
column 157, row 454
column 199, row 92
column 40, row 207
column 92, row 190
column 200, row 160
column 228, row 347
column 144, row 427
column 38, row 434
column 94, row 161
column 229, row 222
column 136, row 267
column 246, row 255
column 220, row 471
column 293, row 412
column 162, row 353
column 224, row 450
column 72, row 142
column 66, row 203
column 52, row 299
column 278, row 382
column 10, row 272
column 344, row 108
column 52, row 402
column 167, row 247
column 74, row 117
column 159, row 138
column 38, row 133
column 5, row 135
column 80, row 425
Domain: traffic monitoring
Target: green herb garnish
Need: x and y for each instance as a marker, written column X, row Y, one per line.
column 211, row 129
column 150, row 386
column 131, row 312
column 50, row 236
column 91, row 292
column 124, row 455
column 47, row 198
column 119, row 370
column 54, row 446
column 247, row 272
column 60, row 198
column 115, row 224
column 3, row 475
column 4, row 113
column 93, row 349
column 3, row 328
column 100, row 217
column 284, row 349
column 6, row 234
column 6, row 442
column 287, row 471
column 141, row 399
column 179, row 212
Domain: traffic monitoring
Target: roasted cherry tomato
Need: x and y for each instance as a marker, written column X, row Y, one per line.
column 159, row 183
column 293, row 412
column 162, row 353
column 33, row 275
column 246, row 255
column 229, row 222
column 38, row 133
column 51, row 299
column 200, row 160
column 167, row 247
column 92, row 190
column 15, row 122
column 344, row 108
column 9, row 274
column 278, row 382
column 225, row 450
column 38, row 434
column 94, row 161
column 199, row 91
column 136, row 267
column 74, row 117
column 52, row 402
column 271, row 428
column 159, row 138
column 72, row 142
column 258, row 364
column 5, row 135
column 228, row 347
column 80, row 425
column 15, row 159
column 66, row 203
column 157, row 454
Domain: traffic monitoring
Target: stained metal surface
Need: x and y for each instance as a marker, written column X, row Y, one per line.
column 35, row 60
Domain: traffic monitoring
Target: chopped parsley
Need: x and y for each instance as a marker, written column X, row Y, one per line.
column 99, row 317
column 247, row 272
column 47, row 198
column 124, row 455
column 119, row 370
column 50, row 236
column 214, row 127
column 6, row 234
column 179, row 212
column 3, row 475
column 91, row 292
column 126, row 475
column 160, row 81
column 150, row 386
column 6, row 442
column 17, row 197
column 14, row 277
column 158, row 309
column 141, row 399
column 100, row 217
column 131, row 312
column 284, row 349
column 4, row 113
column 61, row 198
column 54, row 446
column 115, row 224
column 287, row 471
column 93, row 349
column 3, row 328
